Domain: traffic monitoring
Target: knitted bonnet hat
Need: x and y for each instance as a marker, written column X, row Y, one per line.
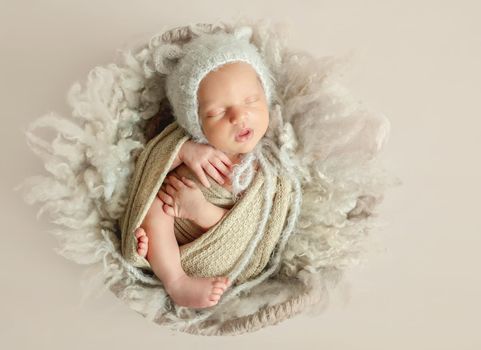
column 186, row 66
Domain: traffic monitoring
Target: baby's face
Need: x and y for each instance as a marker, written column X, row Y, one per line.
column 231, row 99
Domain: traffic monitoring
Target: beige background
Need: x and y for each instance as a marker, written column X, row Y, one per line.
column 418, row 62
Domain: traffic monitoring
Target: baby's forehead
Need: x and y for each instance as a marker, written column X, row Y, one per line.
column 246, row 92
column 244, row 85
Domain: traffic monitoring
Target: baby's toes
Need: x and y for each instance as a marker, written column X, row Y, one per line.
column 218, row 291
column 221, row 279
column 224, row 281
column 211, row 303
column 142, row 249
column 219, row 285
column 214, row 297
column 139, row 233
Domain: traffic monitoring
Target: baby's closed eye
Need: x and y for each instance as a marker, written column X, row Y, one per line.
column 217, row 113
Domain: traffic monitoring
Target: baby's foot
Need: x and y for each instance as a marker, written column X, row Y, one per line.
column 197, row 292
column 142, row 242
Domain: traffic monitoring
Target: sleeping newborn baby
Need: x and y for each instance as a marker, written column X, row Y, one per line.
column 232, row 115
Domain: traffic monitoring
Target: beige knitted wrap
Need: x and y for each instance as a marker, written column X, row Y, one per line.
column 217, row 251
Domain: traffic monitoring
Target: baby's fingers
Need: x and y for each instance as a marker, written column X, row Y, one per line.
column 225, row 159
column 169, row 210
column 199, row 172
column 214, row 173
column 175, row 182
column 189, row 182
column 222, row 168
column 170, row 190
column 164, row 197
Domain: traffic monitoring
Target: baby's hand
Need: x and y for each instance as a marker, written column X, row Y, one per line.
column 205, row 159
column 182, row 199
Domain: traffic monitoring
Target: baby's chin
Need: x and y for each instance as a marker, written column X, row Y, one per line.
column 236, row 152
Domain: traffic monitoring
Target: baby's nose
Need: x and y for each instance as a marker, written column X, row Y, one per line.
column 238, row 114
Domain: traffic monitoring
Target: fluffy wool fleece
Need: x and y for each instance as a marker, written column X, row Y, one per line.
column 331, row 138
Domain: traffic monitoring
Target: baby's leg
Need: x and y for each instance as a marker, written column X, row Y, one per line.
column 164, row 257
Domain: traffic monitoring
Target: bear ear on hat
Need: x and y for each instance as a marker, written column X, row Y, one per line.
column 244, row 33
column 166, row 57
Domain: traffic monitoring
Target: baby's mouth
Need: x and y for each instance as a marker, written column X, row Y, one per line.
column 244, row 134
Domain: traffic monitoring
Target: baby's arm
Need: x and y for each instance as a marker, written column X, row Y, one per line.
column 178, row 158
column 210, row 216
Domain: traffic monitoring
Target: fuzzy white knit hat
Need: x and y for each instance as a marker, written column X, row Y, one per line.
column 186, row 66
